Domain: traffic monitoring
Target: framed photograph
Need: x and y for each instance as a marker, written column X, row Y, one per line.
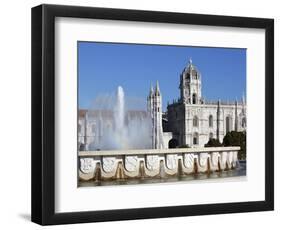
column 142, row 114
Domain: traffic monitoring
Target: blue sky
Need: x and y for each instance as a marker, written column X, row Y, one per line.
column 102, row 67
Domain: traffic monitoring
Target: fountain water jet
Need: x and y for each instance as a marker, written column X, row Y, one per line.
column 119, row 112
column 118, row 127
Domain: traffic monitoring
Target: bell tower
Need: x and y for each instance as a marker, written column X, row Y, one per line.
column 190, row 85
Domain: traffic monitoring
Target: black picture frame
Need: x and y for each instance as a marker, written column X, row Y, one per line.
column 43, row 114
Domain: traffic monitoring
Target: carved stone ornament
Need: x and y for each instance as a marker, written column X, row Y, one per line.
column 87, row 165
column 131, row 163
column 215, row 158
column 109, row 163
column 171, row 161
column 152, row 162
column 203, row 158
column 188, row 160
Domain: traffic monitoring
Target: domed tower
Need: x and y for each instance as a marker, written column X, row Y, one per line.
column 190, row 85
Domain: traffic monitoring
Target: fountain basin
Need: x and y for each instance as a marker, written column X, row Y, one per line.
column 151, row 163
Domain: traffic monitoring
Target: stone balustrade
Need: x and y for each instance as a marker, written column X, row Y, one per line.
column 154, row 163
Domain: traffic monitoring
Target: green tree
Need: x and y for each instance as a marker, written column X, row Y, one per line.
column 234, row 138
column 213, row 143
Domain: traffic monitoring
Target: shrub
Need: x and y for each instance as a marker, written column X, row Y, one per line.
column 234, row 138
column 213, row 143
column 183, row 146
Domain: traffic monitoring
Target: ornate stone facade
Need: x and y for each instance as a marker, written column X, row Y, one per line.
column 193, row 121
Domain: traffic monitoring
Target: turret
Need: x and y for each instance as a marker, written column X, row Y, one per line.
column 157, row 89
column 154, row 105
column 190, row 85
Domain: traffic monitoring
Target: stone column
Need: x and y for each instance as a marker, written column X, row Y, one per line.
column 236, row 116
column 218, row 120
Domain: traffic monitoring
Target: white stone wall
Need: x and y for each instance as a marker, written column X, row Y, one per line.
column 182, row 122
column 204, row 130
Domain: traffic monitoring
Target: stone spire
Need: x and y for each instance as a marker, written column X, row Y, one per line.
column 151, row 90
column 243, row 99
column 157, row 89
column 243, row 104
column 191, row 67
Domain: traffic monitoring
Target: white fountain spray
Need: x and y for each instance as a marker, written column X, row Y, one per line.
column 123, row 131
column 120, row 132
column 119, row 110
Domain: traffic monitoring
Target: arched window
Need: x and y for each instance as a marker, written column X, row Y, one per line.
column 211, row 136
column 195, row 121
column 210, row 121
column 195, row 139
column 173, row 143
column 228, row 124
column 194, row 98
column 244, row 122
